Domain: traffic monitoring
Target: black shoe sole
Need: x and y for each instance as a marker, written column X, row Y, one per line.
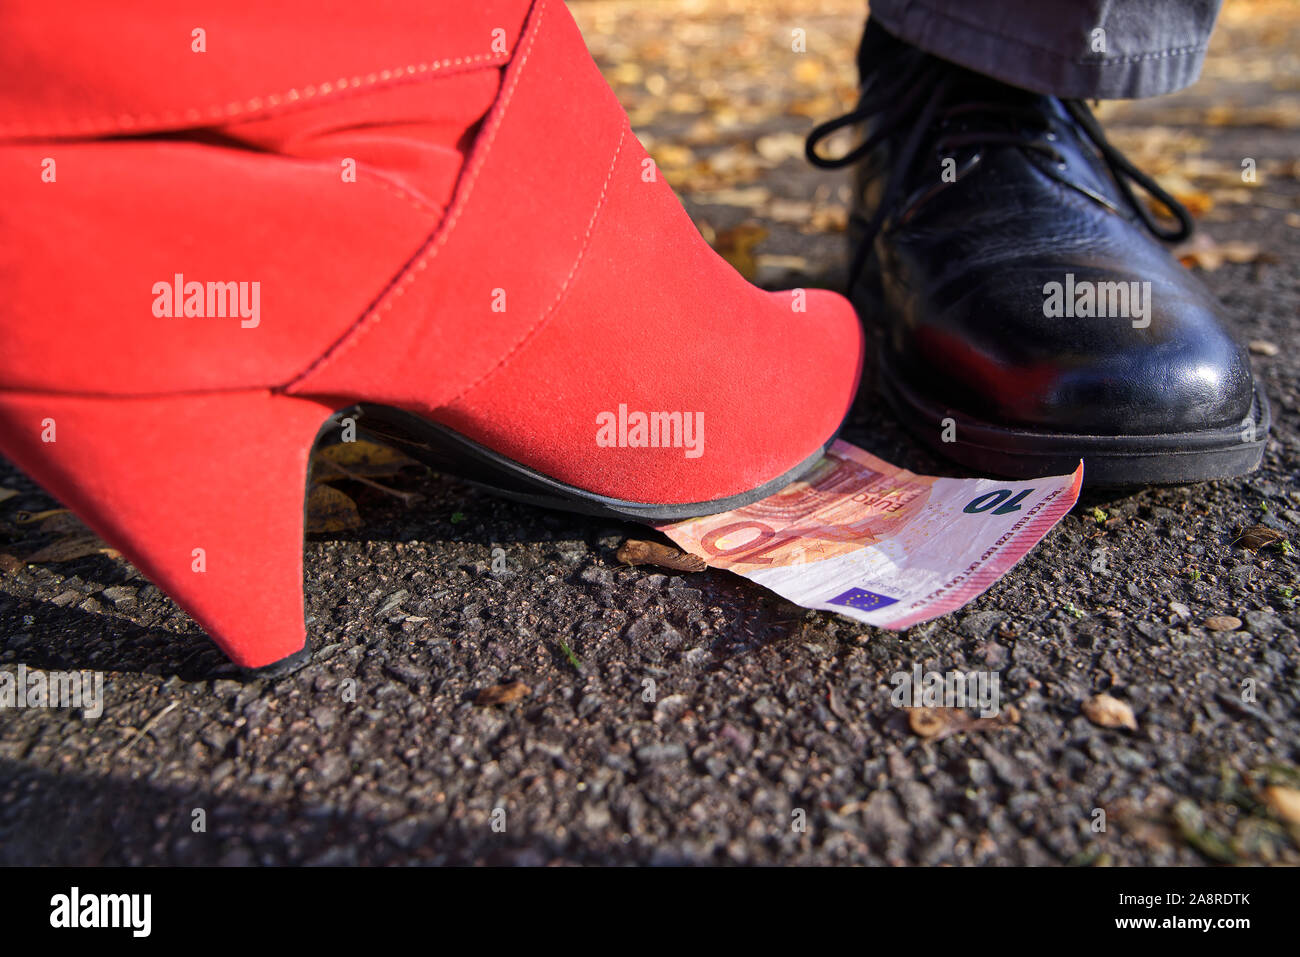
column 1110, row 461
column 451, row 453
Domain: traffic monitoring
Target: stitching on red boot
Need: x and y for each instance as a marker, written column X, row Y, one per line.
column 564, row 288
column 420, row 261
column 265, row 104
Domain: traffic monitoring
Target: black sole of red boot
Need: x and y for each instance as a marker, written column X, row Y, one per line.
column 446, row 451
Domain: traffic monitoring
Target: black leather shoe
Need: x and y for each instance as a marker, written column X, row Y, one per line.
column 1030, row 316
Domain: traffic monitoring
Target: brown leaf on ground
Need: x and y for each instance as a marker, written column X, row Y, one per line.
column 779, row 147
column 748, row 197
column 1258, row 536
column 635, row 551
column 363, row 462
column 1284, row 802
column 359, row 458
column 938, row 723
column 329, row 510
column 1283, row 113
column 836, row 704
column 736, row 246
column 931, row 722
column 70, row 549
column 1144, row 818
column 1203, row 252
column 502, row 694
column 1222, row 623
column 33, row 518
column 1107, row 712
column 53, row 521
column 63, row 523
column 1195, row 201
column 670, row 156
column 9, row 563
column 829, row 219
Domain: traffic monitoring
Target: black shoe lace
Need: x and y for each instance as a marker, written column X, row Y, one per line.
column 915, row 97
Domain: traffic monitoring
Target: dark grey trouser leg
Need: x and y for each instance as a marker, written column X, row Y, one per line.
column 1145, row 47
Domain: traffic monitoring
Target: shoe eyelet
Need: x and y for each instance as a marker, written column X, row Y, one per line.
column 1050, row 136
column 1062, row 165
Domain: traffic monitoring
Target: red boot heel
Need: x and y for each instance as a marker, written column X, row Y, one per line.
column 202, row 493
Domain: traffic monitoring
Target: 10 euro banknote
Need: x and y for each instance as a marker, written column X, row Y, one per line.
column 878, row 543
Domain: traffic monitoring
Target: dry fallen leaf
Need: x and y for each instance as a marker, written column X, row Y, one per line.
column 1258, row 536
column 31, row 518
column 7, row 493
column 703, row 132
column 53, row 521
column 810, row 71
column 69, row 549
column 360, row 458
column 669, row 156
column 836, row 704
column 816, row 107
column 736, row 246
column 503, row 694
column 931, row 722
column 9, row 563
column 778, row 147
column 634, row 551
column 750, row 197
column 1284, row 802
column 329, row 510
column 1108, row 712
column 938, row 723
column 1202, row 252
column 1195, row 201
column 65, row 523
column 829, row 219
column 726, row 167
column 1281, row 113
column 797, row 211
column 1223, row 623
column 363, row 462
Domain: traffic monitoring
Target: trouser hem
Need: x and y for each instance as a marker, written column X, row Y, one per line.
column 1020, row 62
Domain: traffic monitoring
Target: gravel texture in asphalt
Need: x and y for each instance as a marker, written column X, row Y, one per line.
column 673, row 717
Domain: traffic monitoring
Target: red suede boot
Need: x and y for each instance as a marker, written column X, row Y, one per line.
column 207, row 252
